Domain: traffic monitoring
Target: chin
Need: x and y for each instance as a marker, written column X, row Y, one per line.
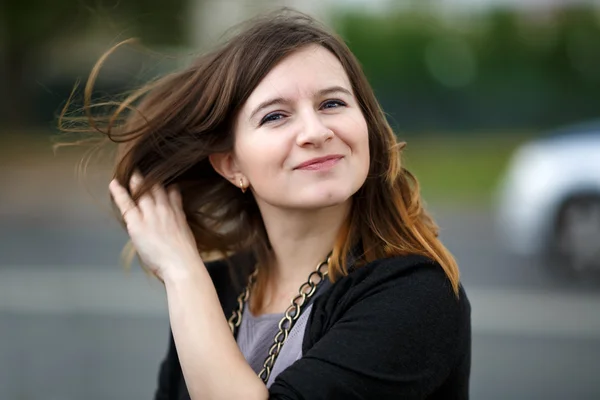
column 323, row 199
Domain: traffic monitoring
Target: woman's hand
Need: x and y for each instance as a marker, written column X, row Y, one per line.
column 158, row 228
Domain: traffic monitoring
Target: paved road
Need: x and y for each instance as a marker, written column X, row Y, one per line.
column 87, row 237
column 83, row 356
column 74, row 326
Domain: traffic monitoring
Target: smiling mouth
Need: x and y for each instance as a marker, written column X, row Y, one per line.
column 319, row 164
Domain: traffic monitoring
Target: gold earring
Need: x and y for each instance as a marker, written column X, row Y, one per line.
column 242, row 186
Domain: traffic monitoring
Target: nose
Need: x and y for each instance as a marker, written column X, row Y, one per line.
column 313, row 131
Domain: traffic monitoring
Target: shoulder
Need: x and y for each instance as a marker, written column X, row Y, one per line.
column 407, row 292
column 394, row 327
column 407, row 269
column 408, row 276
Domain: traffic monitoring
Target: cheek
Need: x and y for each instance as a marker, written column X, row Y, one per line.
column 365, row 154
column 261, row 157
column 357, row 137
column 360, row 147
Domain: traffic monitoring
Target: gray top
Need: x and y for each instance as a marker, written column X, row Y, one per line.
column 257, row 335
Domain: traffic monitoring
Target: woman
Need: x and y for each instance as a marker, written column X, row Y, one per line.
column 273, row 151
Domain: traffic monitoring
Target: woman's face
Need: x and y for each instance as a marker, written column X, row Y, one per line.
column 301, row 140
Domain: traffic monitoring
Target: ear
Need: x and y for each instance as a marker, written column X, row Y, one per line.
column 226, row 166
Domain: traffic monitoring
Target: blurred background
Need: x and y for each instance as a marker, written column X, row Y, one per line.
column 497, row 99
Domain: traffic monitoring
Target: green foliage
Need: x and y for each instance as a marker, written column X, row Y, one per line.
column 496, row 70
column 32, row 23
column 31, row 27
column 29, row 22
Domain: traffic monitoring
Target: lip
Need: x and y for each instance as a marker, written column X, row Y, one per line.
column 320, row 162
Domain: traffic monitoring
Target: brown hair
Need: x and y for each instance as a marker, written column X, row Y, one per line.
column 168, row 128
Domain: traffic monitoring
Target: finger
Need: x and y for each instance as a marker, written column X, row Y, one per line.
column 123, row 200
column 146, row 201
column 135, row 182
column 175, row 197
column 160, row 195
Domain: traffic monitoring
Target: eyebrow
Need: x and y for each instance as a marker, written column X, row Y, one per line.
column 281, row 100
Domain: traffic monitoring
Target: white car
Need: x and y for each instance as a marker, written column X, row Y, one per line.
column 548, row 203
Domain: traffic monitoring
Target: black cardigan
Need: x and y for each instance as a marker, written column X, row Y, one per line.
column 392, row 329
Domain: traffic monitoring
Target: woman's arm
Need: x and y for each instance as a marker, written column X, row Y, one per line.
column 212, row 364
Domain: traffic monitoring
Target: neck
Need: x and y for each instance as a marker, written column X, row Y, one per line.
column 300, row 240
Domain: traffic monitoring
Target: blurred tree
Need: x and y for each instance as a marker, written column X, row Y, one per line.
column 501, row 69
column 28, row 27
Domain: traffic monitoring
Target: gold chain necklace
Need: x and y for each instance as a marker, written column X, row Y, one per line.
column 291, row 315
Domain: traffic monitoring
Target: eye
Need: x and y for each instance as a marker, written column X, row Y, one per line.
column 274, row 116
column 333, row 104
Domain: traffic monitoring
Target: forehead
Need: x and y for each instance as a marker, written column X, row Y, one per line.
column 303, row 72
